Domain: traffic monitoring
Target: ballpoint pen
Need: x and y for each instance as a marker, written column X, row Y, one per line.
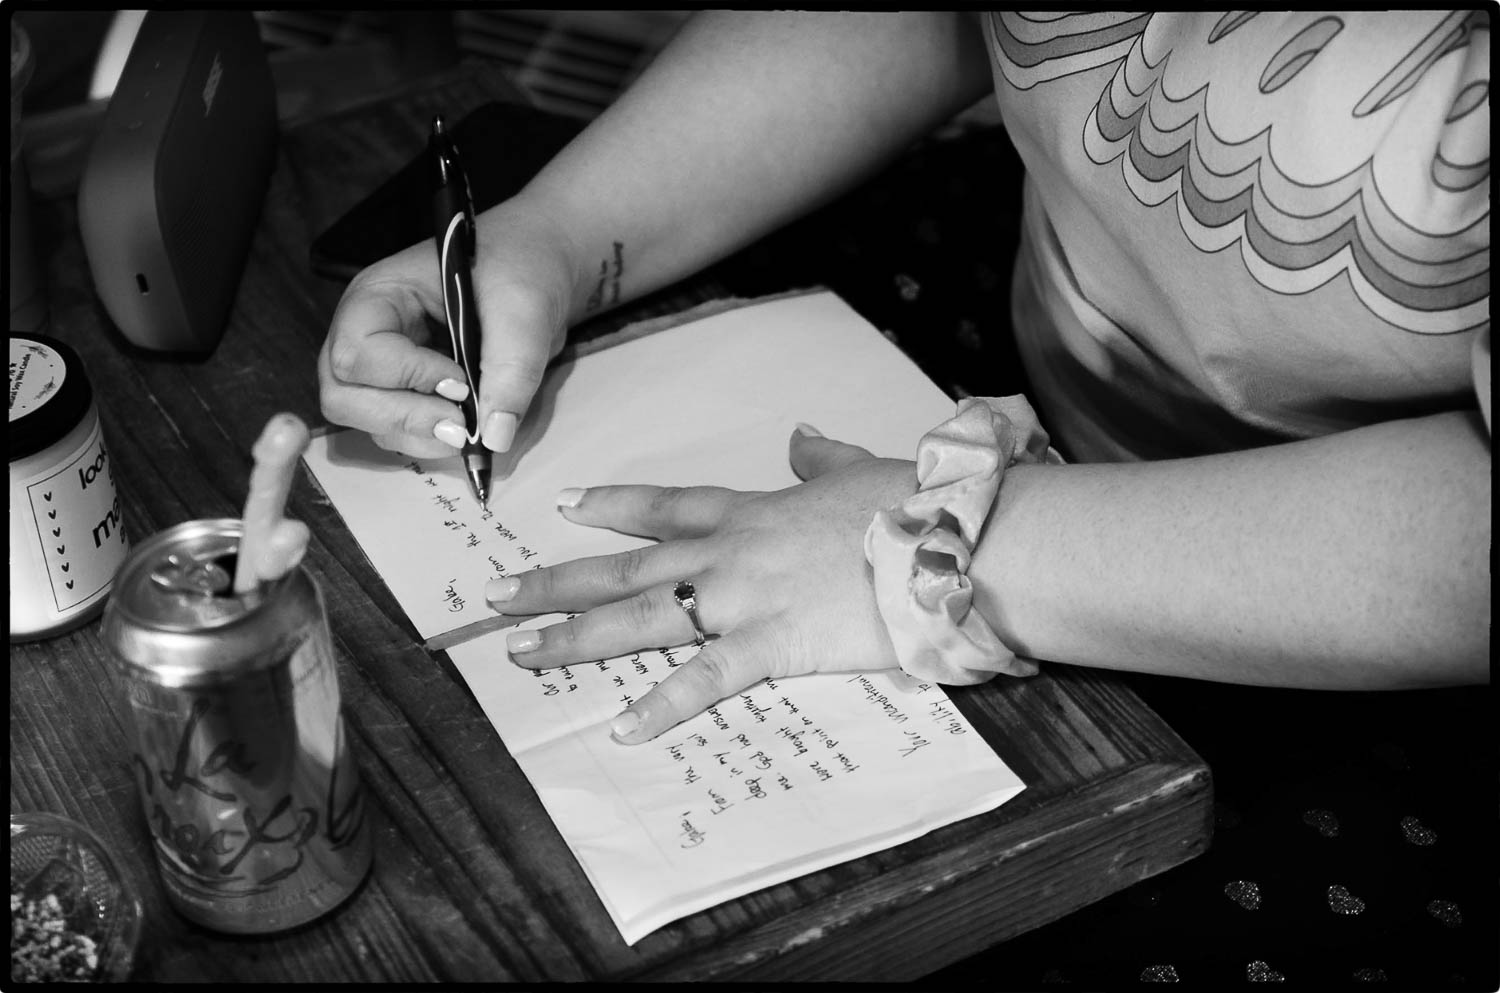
column 453, row 227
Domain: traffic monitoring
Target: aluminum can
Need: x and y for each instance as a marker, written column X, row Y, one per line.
column 255, row 807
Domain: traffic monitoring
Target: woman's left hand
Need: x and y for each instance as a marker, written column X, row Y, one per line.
column 781, row 581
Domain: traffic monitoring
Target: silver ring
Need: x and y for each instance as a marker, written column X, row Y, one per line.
column 687, row 599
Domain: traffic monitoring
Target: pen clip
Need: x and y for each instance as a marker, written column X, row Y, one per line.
column 470, row 230
column 451, row 175
column 470, row 236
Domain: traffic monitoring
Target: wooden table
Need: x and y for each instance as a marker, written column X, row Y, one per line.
column 471, row 879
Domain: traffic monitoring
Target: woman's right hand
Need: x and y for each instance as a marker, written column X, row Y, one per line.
column 385, row 367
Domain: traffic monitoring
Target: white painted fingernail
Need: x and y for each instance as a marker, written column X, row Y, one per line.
column 500, row 430
column 500, row 590
column 452, row 389
column 449, row 433
column 625, row 724
column 570, row 497
column 520, row 642
column 808, row 431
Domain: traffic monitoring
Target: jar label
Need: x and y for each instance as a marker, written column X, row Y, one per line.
column 76, row 510
column 36, row 373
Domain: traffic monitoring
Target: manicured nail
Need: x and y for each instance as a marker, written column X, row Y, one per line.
column 500, row 430
column 625, row 724
column 500, row 590
column 449, row 433
column 452, row 389
column 520, row 642
column 570, row 497
column 808, row 431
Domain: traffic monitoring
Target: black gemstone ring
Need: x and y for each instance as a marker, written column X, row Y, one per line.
column 687, row 599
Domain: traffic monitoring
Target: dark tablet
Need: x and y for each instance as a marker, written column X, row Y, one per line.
column 503, row 145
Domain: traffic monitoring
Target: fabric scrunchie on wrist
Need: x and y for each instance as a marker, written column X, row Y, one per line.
column 920, row 549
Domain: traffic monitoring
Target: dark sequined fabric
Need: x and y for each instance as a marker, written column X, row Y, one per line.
column 1354, row 834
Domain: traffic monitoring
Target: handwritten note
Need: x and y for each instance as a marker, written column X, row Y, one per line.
column 790, row 776
column 785, row 778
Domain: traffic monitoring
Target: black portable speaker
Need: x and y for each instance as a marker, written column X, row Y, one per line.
column 176, row 179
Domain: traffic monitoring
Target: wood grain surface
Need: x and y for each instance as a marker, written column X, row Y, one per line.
column 471, row 879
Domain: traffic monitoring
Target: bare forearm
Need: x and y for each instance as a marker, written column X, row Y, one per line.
column 745, row 121
column 1360, row 560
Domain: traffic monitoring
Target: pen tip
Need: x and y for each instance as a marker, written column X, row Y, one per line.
column 437, row 123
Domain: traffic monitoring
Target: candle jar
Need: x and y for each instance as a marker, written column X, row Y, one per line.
column 67, row 538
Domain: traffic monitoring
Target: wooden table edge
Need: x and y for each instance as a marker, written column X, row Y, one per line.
column 848, row 935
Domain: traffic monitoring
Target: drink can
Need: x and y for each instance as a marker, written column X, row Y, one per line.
column 255, row 806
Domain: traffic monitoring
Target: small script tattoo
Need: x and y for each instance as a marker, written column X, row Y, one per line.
column 610, row 271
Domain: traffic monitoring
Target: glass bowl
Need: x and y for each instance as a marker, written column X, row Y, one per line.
column 54, row 856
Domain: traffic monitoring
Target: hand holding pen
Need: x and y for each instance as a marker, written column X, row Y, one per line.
column 454, row 233
column 383, row 371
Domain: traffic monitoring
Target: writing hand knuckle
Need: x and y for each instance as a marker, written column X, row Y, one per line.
column 412, row 422
column 343, row 359
column 411, row 374
column 331, row 407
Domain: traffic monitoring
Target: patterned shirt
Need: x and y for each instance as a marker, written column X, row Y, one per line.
column 1248, row 227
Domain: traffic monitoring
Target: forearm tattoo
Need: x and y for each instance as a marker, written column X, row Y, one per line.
column 607, row 289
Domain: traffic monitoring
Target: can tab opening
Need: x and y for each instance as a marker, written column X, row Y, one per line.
column 208, row 576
